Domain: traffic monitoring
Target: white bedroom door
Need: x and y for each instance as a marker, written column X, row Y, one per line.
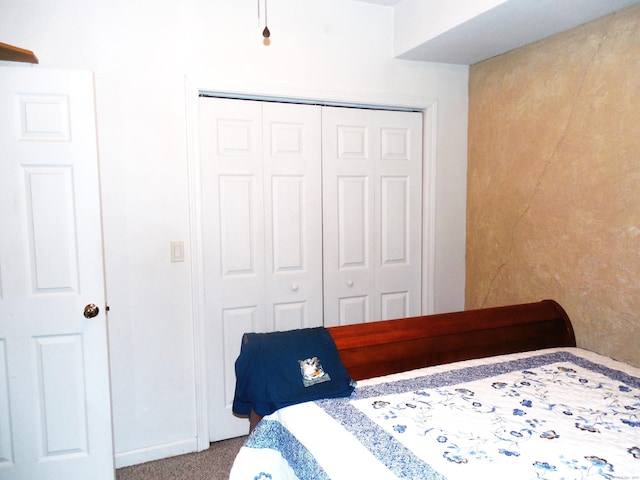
column 372, row 201
column 55, row 415
column 261, row 233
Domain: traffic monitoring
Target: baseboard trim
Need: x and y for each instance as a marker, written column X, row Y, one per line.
column 156, row 452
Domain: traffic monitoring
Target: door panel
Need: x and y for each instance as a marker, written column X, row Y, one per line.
column 399, row 215
column 233, row 231
column 287, row 227
column 348, row 177
column 61, row 395
column 238, row 226
column 372, row 177
column 261, row 217
column 395, row 305
column 55, row 416
column 353, row 309
column 235, row 322
column 353, row 222
column 394, row 235
column 288, row 316
column 293, row 209
column 51, row 227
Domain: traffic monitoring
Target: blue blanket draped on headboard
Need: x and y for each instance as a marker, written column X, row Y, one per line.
column 278, row 369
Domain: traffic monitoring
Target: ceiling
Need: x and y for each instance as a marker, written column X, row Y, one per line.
column 503, row 26
column 388, row 3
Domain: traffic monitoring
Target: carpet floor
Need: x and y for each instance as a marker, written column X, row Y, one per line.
column 211, row 464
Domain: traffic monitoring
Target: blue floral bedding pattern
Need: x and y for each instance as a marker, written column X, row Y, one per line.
column 548, row 415
column 554, row 416
column 273, row 435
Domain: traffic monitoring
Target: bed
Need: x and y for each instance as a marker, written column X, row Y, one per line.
column 492, row 393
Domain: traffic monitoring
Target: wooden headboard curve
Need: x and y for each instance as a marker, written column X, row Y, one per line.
column 391, row 346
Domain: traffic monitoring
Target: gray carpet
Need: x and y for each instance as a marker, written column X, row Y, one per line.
column 211, row 464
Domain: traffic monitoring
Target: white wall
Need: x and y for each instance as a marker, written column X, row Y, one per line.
column 141, row 51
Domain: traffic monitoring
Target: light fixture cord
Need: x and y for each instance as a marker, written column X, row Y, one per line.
column 266, row 33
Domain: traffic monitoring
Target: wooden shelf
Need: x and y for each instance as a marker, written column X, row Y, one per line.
column 15, row 54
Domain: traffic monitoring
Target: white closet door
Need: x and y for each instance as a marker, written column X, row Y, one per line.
column 261, row 222
column 372, row 194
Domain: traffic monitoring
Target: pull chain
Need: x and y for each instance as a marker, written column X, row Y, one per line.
column 265, row 33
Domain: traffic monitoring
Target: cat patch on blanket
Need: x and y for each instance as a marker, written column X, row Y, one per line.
column 312, row 372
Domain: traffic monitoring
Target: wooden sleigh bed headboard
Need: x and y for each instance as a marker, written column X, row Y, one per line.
column 391, row 346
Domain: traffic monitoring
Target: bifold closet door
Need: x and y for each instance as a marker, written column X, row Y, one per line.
column 262, row 232
column 372, row 201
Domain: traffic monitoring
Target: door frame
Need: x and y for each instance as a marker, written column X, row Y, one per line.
column 194, row 86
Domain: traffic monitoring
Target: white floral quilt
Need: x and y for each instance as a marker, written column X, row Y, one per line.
column 551, row 414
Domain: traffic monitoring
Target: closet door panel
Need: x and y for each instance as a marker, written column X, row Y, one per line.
column 372, row 177
column 287, row 223
column 233, row 230
column 233, row 221
column 289, row 309
column 262, row 232
column 235, row 323
column 348, row 171
column 353, row 223
column 237, row 225
column 352, row 141
column 399, row 214
column 395, row 246
column 354, row 274
column 395, row 305
column 394, row 221
column 354, row 309
column 293, row 213
column 289, row 316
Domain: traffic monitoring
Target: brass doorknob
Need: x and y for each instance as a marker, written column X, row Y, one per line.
column 91, row 311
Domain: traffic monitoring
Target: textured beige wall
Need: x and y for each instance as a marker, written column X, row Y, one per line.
column 553, row 207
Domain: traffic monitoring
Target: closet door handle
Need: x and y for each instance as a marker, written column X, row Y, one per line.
column 350, row 283
column 295, row 287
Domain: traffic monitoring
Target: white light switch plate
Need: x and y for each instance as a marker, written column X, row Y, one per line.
column 177, row 251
